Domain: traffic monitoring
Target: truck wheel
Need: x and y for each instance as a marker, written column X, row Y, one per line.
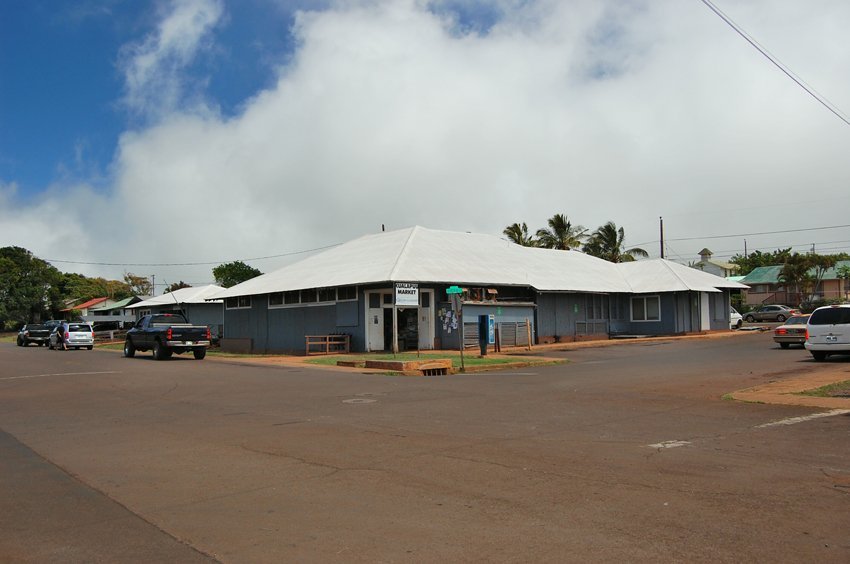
column 129, row 349
column 160, row 352
column 818, row 355
column 199, row 354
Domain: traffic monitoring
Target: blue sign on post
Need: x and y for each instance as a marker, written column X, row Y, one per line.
column 491, row 329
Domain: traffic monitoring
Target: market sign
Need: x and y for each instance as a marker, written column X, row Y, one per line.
column 407, row 294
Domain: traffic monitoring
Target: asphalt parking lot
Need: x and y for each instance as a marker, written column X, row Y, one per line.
column 624, row 453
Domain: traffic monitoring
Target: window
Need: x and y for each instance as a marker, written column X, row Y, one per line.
column 327, row 294
column 276, row 299
column 346, row 293
column 646, row 308
column 308, row 296
column 374, row 301
column 240, row 302
column 292, row 297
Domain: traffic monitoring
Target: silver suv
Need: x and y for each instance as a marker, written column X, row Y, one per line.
column 828, row 331
column 73, row 335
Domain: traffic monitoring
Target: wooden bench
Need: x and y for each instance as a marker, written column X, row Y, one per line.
column 327, row 344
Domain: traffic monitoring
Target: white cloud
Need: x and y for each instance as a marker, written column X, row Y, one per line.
column 153, row 68
column 388, row 113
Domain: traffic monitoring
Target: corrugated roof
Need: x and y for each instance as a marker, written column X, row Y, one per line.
column 119, row 304
column 193, row 295
column 418, row 254
column 770, row 274
column 763, row 275
column 87, row 304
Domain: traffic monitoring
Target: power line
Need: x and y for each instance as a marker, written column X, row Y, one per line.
column 190, row 263
column 760, row 233
column 824, row 102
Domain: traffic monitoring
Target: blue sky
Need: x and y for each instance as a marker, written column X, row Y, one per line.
column 61, row 86
column 273, row 127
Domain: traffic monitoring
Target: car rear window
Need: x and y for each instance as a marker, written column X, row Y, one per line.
column 831, row 316
column 800, row 320
column 79, row 327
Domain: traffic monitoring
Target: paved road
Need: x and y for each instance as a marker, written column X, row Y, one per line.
column 105, row 459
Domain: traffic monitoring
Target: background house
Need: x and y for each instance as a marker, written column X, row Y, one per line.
column 765, row 286
column 113, row 316
column 716, row 267
column 85, row 308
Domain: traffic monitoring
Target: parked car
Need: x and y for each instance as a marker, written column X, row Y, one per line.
column 828, row 331
column 37, row 333
column 792, row 332
column 75, row 335
column 167, row 333
column 735, row 319
column 770, row 313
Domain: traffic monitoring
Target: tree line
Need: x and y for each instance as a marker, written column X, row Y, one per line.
column 606, row 242
column 32, row 289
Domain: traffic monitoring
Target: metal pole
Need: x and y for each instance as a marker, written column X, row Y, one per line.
column 462, row 339
column 661, row 229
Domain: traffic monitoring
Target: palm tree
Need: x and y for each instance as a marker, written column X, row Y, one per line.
column 518, row 233
column 561, row 234
column 608, row 243
column 795, row 274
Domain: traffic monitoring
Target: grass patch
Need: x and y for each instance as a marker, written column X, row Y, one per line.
column 828, row 391
column 8, row 337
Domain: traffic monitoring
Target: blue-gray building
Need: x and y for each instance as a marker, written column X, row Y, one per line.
column 389, row 291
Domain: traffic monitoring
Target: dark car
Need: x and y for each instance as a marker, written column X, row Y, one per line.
column 33, row 333
column 792, row 332
column 770, row 313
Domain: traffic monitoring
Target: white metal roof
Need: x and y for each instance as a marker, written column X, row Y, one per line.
column 193, row 295
column 418, row 254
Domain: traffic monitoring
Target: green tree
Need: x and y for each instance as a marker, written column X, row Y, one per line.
column 795, row 274
column 139, row 285
column 818, row 265
column 843, row 272
column 561, row 234
column 748, row 263
column 233, row 273
column 176, row 286
column 608, row 242
column 518, row 233
column 29, row 287
column 81, row 288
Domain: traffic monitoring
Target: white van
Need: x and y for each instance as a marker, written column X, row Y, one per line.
column 828, row 331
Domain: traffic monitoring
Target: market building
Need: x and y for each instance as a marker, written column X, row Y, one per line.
column 388, row 291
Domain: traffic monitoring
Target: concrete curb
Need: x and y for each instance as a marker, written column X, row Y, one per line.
column 785, row 392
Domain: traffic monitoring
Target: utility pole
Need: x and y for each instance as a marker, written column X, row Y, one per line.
column 661, row 228
column 153, row 284
column 745, row 248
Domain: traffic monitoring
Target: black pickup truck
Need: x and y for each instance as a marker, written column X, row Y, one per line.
column 167, row 333
column 38, row 333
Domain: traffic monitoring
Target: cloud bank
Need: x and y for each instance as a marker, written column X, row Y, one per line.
column 402, row 113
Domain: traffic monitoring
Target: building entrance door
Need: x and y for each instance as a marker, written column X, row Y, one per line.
column 426, row 319
column 378, row 324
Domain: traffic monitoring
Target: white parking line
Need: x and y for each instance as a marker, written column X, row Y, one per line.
column 670, row 444
column 804, row 418
column 59, row 374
